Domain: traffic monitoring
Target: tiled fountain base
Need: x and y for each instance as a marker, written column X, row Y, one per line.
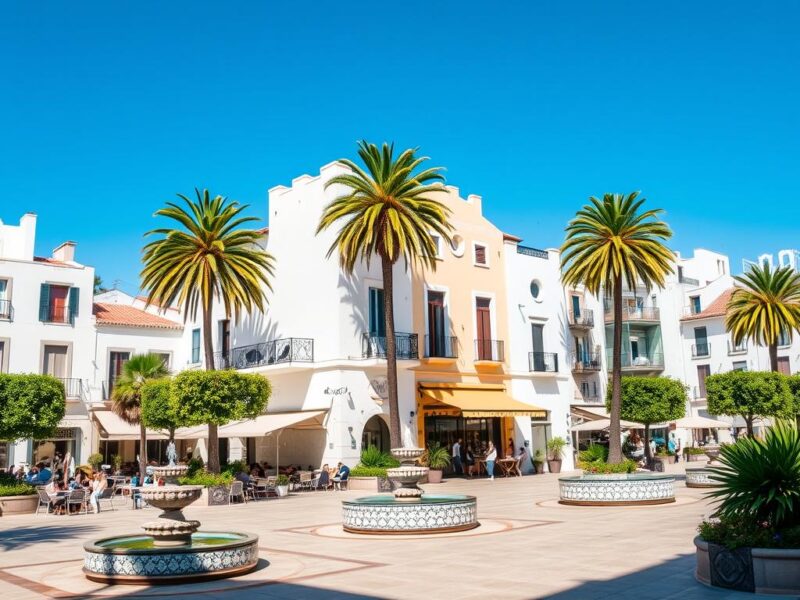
column 431, row 515
column 617, row 490
column 698, row 477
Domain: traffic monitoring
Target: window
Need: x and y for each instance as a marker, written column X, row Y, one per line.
column 377, row 322
column 437, row 242
column 784, row 339
column 225, row 337
column 480, row 255
column 116, row 361
column 735, row 348
column 740, row 365
column 58, row 303
column 195, row 346
column 654, row 301
column 694, row 304
column 437, row 341
column 5, row 302
column 703, row 371
column 721, row 267
column 701, row 346
column 3, row 356
column 165, row 358
column 680, row 273
column 783, row 365
column 536, row 289
column 55, row 361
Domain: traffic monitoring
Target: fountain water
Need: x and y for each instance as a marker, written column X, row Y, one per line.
column 172, row 549
column 409, row 509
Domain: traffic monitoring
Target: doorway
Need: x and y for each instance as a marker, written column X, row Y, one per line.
column 376, row 433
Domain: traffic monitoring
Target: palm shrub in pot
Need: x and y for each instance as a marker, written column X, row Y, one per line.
column 555, row 447
column 282, row 485
column 436, row 458
column 538, row 462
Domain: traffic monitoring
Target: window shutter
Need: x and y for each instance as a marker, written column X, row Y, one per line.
column 480, row 255
column 44, row 303
column 74, row 299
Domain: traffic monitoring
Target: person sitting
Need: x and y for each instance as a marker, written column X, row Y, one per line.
column 243, row 477
column 342, row 474
column 57, row 502
column 324, row 481
column 98, row 487
column 41, row 475
column 256, row 470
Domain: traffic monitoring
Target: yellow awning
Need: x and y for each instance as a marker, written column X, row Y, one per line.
column 478, row 400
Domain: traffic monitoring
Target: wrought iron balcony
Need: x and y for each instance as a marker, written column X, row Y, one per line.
column 489, row 350
column 406, row 346
column 700, row 350
column 73, row 387
column 688, row 280
column 273, row 352
column 643, row 362
column 644, row 313
column 56, row 314
column 740, row 348
column 441, row 346
column 584, row 319
column 586, row 361
column 543, row 362
column 6, row 310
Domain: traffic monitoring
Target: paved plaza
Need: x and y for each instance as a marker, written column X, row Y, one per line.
column 528, row 546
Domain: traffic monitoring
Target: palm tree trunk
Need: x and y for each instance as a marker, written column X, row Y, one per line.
column 391, row 353
column 208, row 347
column 142, row 451
column 614, row 430
column 773, row 357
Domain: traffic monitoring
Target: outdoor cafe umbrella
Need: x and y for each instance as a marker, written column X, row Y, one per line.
column 601, row 424
column 700, row 423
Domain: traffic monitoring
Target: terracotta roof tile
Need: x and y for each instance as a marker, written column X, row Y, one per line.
column 717, row 308
column 128, row 316
column 155, row 304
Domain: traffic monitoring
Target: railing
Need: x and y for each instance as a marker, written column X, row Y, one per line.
column 691, row 310
column 589, row 398
column 406, row 346
column 57, row 314
column 701, row 349
column 273, row 352
column 737, row 348
column 489, row 350
column 543, row 362
column 643, row 362
column 645, row 313
column 535, row 252
column 584, row 318
column 688, row 280
column 6, row 310
column 441, row 346
column 73, row 388
column 585, row 361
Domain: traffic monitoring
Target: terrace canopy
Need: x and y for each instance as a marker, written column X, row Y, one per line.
column 701, row 423
column 477, row 400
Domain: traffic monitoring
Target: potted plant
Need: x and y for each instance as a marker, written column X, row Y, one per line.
column 538, row 462
column 95, row 460
column 16, row 497
column 117, row 461
column 555, row 447
column 436, row 459
column 753, row 542
column 282, row 486
column 370, row 473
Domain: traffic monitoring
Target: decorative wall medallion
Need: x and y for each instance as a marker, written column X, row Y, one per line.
column 218, row 495
column 732, row 569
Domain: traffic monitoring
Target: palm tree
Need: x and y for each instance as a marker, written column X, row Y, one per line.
column 126, row 395
column 208, row 256
column 610, row 243
column 387, row 211
column 765, row 306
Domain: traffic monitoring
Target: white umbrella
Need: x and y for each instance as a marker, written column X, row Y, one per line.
column 601, row 424
column 701, row 423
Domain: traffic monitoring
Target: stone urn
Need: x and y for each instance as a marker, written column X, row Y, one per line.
column 712, row 452
column 408, row 474
column 171, row 528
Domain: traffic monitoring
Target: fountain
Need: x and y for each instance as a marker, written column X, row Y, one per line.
column 409, row 510
column 172, row 550
column 699, row 477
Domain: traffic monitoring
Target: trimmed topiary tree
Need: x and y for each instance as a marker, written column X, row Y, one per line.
column 649, row 400
column 217, row 397
column 31, row 406
column 749, row 394
column 794, row 386
column 157, row 410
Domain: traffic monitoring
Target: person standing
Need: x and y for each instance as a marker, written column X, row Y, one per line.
column 457, row 468
column 491, row 456
column 470, row 460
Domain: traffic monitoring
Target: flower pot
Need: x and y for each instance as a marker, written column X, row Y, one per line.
column 434, row 476
column 18, row 505
column 554, row 465
column 282, row 490
column 538, row 467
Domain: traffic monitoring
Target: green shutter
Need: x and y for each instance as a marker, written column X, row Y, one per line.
column 74, row 299
column 44, row 303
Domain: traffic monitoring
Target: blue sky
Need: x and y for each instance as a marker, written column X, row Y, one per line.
column 109, row 109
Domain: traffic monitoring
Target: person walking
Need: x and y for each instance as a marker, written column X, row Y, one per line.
column 491, row 456
column 457, row 468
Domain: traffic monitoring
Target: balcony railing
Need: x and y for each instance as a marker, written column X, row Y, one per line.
column 406, row 346
column 6, row 310
column 701, row 349
column 489, row 350
column 57, row 314
column 73, row 387
column 584, row 318
column 543, row 362
column 688, row 280
column 642, row 362
column 441, row 346
column 737, row 348
column 273, row 352
column 645, row 313
column 535, row 252
column 585, row 361
column 588, row 397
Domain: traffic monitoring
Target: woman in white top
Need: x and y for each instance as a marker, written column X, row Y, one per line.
column 98, row 487
column 491, row 456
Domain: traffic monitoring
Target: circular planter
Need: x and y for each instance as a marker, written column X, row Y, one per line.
column 617, row 490
column 282, row 490
column 698, row 477
column 759, row 570
column 18, row 505
column 429, row 514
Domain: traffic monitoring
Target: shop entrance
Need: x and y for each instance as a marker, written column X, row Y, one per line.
column 65, row 439
column 475, row 432
column 376, row 433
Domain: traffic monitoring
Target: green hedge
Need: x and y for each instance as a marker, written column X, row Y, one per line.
column 360, row 471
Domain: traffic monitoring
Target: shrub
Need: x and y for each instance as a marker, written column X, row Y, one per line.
column 593, row 453
column 738, row 532
column 693, row 451
column 363, row 471
column 195, row 465
column 117, row 460
column 31, row 406
column 95, row 460
column 237, row 466
column 436, row 457
column 750, row 394
column 207, row 479
column 555, row 447
column 604, row 468
column 372, row 457
column 759, row 479
column 17, row 489
column 538, row 457
column 282, row 480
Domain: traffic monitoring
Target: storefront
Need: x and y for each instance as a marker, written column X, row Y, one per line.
column 476, row 413
column 63, row 440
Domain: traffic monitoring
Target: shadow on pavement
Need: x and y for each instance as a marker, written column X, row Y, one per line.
column 46, row 533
